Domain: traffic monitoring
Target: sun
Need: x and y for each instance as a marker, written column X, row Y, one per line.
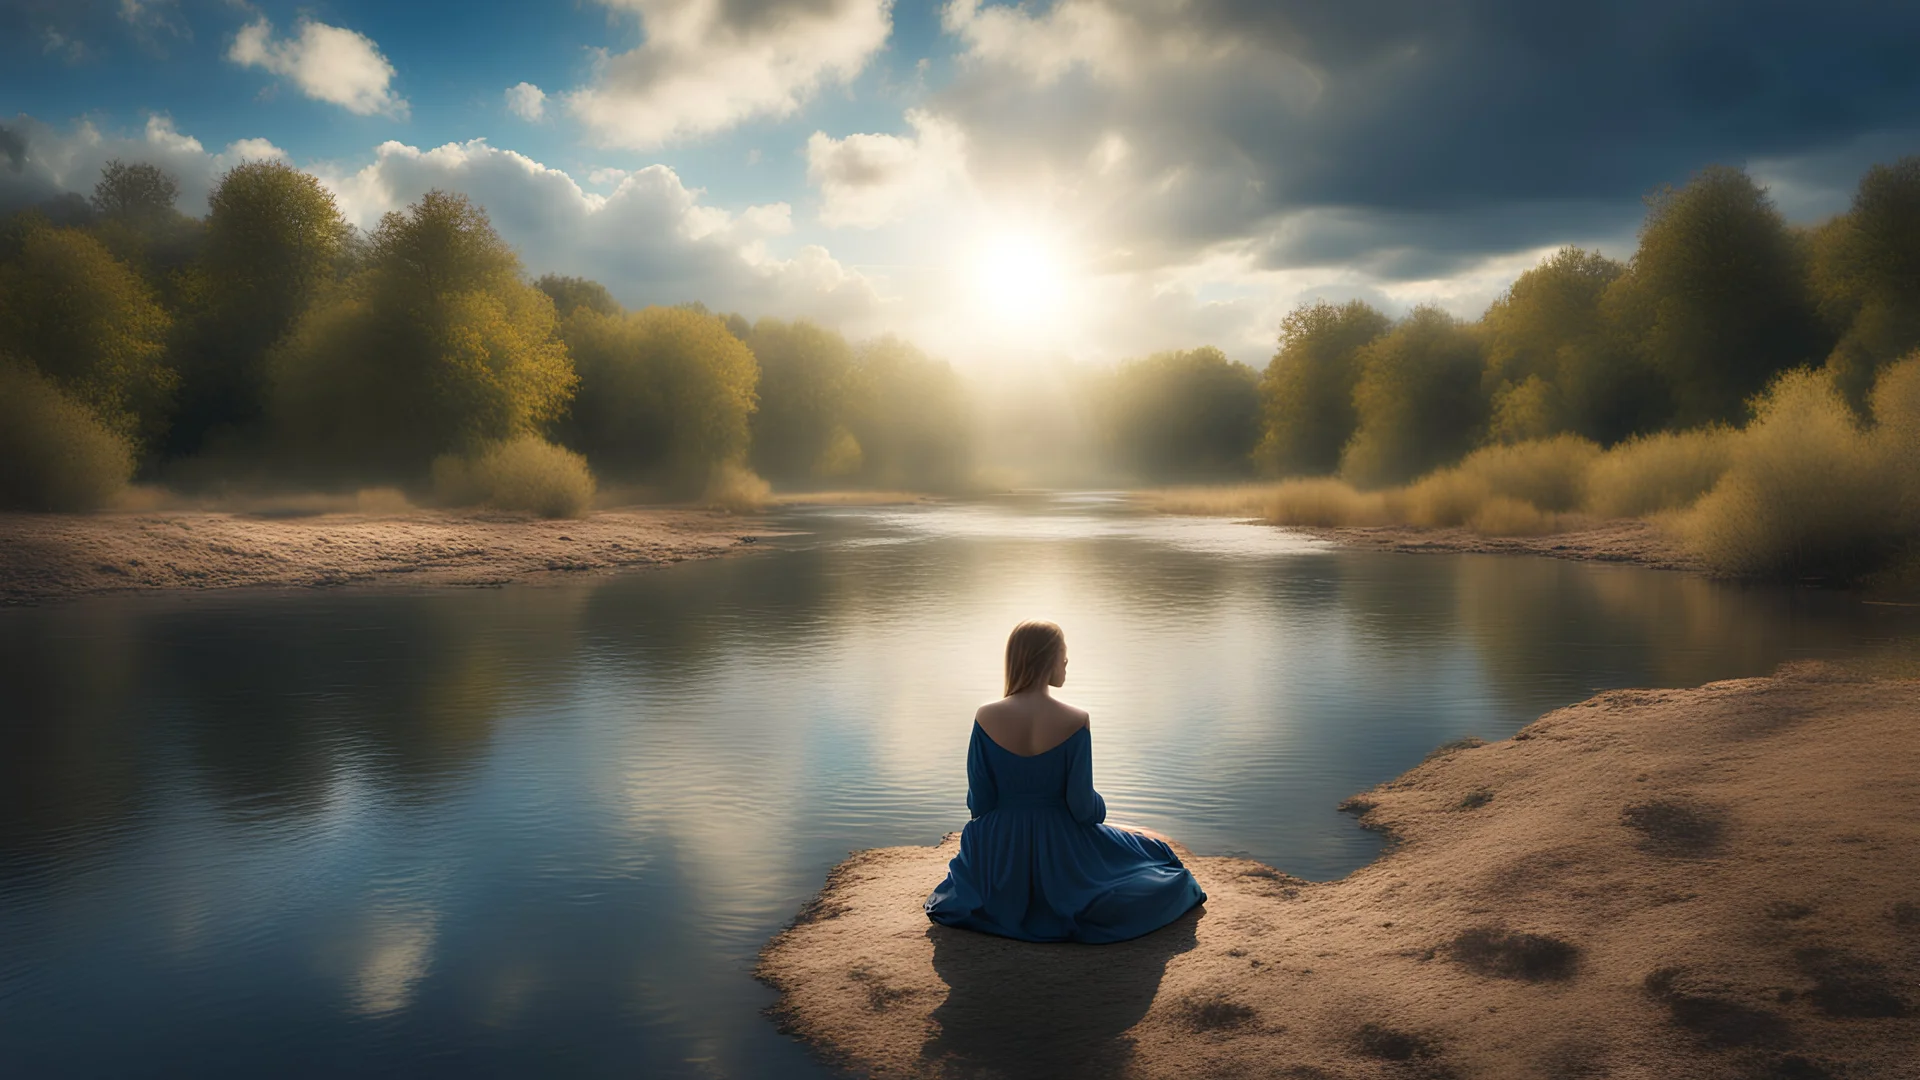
column 1019, row 279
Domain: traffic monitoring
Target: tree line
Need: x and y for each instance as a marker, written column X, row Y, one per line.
column 272, row 342
column 1719, row 300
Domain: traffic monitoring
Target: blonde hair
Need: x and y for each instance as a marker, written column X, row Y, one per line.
column 1032, row 650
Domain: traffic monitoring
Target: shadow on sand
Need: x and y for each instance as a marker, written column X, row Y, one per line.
column 1016, row 1009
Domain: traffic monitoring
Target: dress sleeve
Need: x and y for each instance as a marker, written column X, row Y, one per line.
column 1084, row 803
column 982, row 793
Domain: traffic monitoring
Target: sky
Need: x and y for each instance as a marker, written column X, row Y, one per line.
column 1090, row 179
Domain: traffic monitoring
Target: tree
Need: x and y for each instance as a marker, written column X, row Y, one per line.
column 1185, row 415
column 138, row 192
column 1419, row 400
column 665, row 394
column 274, row 239
column 1716, row 297
column 437, row 346
column 1866, row 276
column 134, row 216
column 800, row 430
column 570, row 293
column 85, row 321
column 909, row 418
column 1554, row 361
column 1306, row 393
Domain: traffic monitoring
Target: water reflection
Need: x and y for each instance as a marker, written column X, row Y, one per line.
column 541, row 829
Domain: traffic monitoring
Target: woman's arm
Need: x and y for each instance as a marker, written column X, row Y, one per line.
column 1084, row 803
column 982, row 793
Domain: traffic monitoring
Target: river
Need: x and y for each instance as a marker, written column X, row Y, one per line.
column 544, row 829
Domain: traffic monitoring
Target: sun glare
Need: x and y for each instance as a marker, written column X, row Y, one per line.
column 1019, row 280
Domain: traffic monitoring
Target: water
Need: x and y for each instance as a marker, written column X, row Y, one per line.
column 544, row 829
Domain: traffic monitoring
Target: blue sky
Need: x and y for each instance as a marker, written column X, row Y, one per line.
column 1090, row 178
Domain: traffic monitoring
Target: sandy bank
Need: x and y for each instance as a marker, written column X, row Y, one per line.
column 48, row 556
column 1623, row 541
column 1718, row 882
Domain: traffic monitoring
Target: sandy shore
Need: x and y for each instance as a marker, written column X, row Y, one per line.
column 1718, row 882
column 1623, row 541
column 50, row 556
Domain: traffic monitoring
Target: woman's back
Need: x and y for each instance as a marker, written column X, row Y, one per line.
column 1029, row 724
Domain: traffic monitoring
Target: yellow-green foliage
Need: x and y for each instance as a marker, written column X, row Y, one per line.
column 524, row 473
column 54, row 454
column 665, row 394
column 1306, row 393
column 1803, row 494
column 82, row 318
column 437, row 345
column 1418, row 402
column 736, row 489
column 1667, row 471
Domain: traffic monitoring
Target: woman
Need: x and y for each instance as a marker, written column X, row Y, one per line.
column 1035, row 862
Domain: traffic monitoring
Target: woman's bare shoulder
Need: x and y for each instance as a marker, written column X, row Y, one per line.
column 1074, row 714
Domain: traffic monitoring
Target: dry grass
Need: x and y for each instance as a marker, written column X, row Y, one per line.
column 54, row 454
column 1660, row 472
column 527, row 474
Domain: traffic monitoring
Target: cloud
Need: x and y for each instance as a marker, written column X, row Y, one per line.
column 41, row 162
column 527, row 101
column 1169, row 127
column 870, row 180
column 327, row 63
column 651, row 240
column 707, row 65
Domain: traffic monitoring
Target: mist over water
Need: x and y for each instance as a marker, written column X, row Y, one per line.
column 545, row 829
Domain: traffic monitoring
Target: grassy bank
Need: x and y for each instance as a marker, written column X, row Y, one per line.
column 1806, row 489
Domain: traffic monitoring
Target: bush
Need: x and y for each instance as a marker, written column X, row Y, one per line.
column 1896, row 435
column 1443, row 499
column 737, row 490
column 1667, row 471
column 1326, row 503
column 524, row 473
column 1503, row 516
column 54, row 453
column 1549, row 473
column 1802, row 496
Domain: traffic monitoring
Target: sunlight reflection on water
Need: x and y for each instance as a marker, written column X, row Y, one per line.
column 546, row 829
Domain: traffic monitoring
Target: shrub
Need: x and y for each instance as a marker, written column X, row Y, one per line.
column 1551, row 474
column 1896, row 435
column 1802, row 496
column 525, row 473
column 54, row 453
column 1326, row 502
column 1667, row 471
column 1443, row 499
column 736, row 489
column 1502, row 516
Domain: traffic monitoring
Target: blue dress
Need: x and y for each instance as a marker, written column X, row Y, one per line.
column 1036, row 863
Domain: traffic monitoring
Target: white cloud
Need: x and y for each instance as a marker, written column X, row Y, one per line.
column 52, row 162
column 651, row 240
column 706, row 65
column 527, row 101
column 866, row 181
column 327, row 63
